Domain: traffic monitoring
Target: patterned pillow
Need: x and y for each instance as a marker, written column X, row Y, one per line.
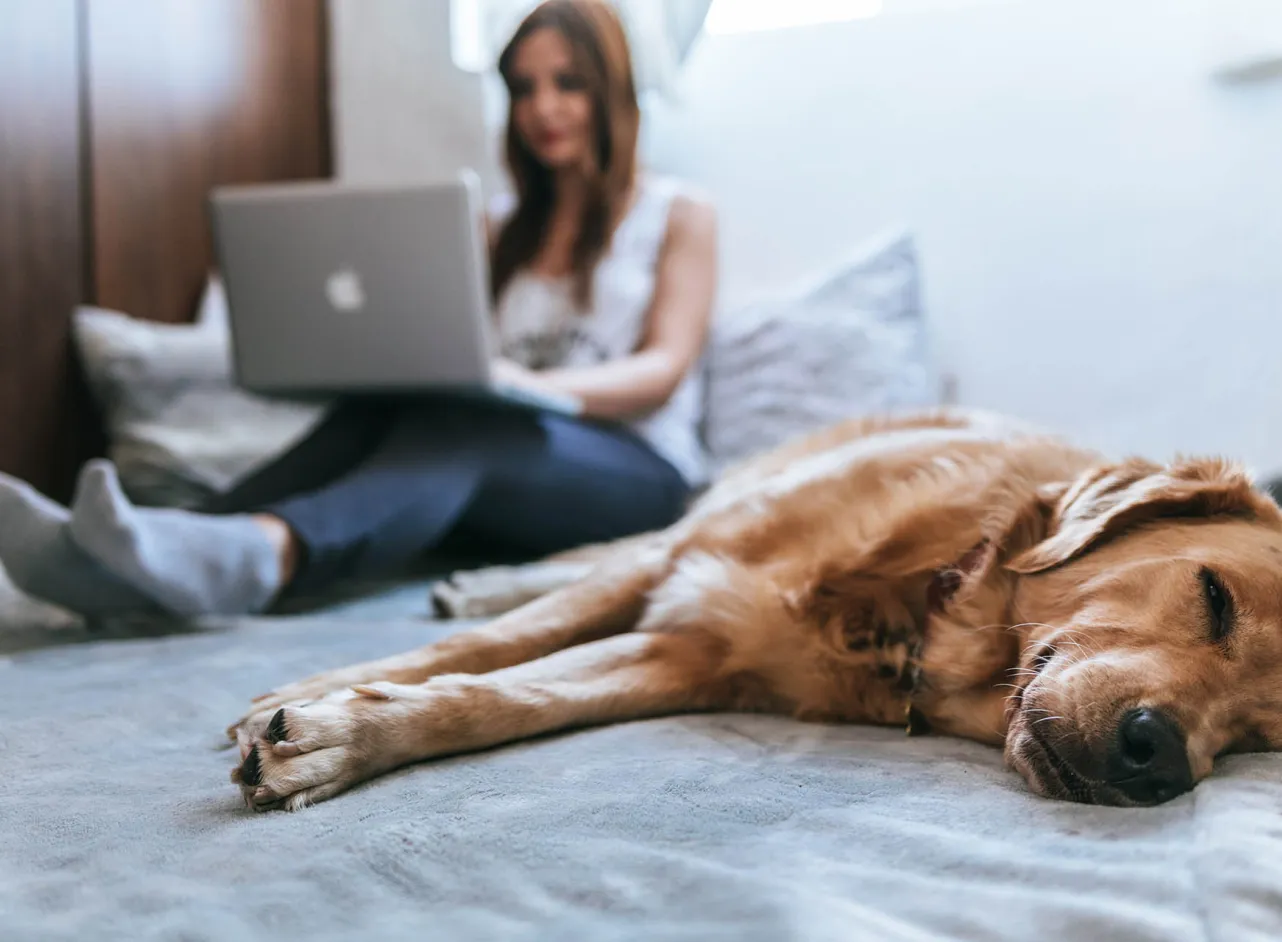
column 850, row 343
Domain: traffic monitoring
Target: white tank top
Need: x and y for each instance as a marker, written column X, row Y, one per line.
column 540, row 327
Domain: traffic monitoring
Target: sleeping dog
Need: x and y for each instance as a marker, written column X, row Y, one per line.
column 1113, row 626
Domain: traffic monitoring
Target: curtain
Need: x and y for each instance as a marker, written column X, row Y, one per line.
column 660, row 32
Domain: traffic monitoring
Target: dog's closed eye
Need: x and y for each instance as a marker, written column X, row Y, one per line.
column 1219, row 604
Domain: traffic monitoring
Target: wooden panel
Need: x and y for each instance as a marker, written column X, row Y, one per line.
column 185, row 94
column 40, row 222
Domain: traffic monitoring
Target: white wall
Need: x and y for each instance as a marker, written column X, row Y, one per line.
column 1101, row 225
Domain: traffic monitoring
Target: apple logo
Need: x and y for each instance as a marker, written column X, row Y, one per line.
column 345, row 292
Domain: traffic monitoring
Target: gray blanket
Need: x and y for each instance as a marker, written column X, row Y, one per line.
column 117, row 821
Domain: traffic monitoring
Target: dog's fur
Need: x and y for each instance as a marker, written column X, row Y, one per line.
column 949, row 570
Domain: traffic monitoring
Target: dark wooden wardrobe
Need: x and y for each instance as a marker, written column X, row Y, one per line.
column 116, row 117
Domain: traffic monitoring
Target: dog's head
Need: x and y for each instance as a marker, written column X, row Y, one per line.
column 1157, row 595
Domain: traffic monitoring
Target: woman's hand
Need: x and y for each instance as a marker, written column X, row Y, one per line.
column 510, row 373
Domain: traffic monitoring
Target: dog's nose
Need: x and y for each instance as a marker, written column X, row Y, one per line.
column 1150, row 763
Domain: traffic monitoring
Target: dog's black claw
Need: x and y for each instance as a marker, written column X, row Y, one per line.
column 276, row 731
column 440, row 608
column 251, row 770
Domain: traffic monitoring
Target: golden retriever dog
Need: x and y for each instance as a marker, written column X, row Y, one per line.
column 1114, row 626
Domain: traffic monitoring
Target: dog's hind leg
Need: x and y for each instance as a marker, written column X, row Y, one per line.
column 494, row 590
column 312, row 751
column 610, row 600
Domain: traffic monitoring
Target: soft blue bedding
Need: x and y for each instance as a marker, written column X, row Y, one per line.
column 117, row 821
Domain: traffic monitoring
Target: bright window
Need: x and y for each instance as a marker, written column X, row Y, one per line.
column 750, row 16
column 468, row 44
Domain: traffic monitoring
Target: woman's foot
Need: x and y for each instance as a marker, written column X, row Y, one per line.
column 43, row 560
column 190, row 563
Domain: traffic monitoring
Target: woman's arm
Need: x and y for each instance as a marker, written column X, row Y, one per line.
column 677, row 324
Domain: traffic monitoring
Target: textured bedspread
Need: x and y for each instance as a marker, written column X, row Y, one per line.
column 117, row 822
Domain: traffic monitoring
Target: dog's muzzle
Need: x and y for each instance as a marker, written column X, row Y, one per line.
column 1143, row 762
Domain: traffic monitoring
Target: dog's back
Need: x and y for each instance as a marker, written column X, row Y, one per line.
column 790, row 491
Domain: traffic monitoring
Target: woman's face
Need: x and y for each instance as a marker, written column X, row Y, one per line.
column 551, row 107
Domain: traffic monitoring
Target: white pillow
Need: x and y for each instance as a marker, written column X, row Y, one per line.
column 178, row 427
column 851, row 342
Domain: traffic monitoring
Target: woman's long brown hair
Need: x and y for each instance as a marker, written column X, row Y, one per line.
column 600, row 50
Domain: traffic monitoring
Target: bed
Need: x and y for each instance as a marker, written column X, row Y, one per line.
column 117, row 819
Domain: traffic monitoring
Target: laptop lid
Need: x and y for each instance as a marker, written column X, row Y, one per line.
column 338, row 288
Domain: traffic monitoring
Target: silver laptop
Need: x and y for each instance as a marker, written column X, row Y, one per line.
column 343, row 289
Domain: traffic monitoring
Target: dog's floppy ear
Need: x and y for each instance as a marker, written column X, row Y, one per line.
column 1106, row 500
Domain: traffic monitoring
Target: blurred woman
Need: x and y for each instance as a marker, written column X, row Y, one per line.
column 603, row 280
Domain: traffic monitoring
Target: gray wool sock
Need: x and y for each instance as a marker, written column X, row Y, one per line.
column 191, row 563
column 43, row 561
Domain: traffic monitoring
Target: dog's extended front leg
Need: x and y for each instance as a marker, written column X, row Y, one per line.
column 312, row 752
column 608, row 601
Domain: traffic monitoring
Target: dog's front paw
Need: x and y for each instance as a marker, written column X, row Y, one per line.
column 310, row 751
column 264, row 707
